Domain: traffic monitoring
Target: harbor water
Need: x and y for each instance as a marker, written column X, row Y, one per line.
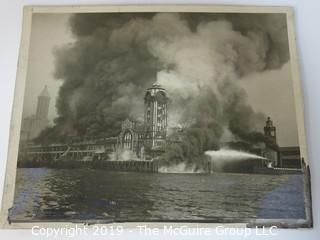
column 83, row 194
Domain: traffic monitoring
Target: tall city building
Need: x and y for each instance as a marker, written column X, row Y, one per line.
column 33, row 125
column 149, row 138
column 155, row 116
column 43, row 104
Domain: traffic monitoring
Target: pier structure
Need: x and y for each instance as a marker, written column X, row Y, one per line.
column 140, row 143
column 135, row 148
column 74, row 151
column 98, row 154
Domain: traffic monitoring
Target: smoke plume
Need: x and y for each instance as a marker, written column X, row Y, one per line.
column 198, row 58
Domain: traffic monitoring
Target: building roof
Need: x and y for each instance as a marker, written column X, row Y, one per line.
column 290, row 148
column 45, row 92
column 155, row 87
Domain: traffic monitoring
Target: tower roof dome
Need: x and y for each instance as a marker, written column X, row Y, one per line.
column 155, row 89
column 156, row 86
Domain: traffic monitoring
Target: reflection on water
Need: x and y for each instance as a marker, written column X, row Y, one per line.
column 61, row 194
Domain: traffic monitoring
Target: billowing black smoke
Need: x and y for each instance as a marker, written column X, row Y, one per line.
column 198, row 58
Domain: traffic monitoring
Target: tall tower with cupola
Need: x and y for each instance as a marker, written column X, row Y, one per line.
column 271, row 151
column 155, row 117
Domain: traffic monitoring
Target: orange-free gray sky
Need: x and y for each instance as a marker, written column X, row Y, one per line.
column 47, row 33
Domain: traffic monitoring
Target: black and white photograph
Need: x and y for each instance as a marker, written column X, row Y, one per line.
column 160, row 116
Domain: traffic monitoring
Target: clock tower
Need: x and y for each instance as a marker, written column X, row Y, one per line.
column 155, row 117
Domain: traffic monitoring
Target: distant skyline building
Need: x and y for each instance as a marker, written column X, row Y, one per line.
column 33, row 125
column 148, row 140
column 43, row 104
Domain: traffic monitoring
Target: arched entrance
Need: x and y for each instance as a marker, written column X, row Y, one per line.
column 127, row 140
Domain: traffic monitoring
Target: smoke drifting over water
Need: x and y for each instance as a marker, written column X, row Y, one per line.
column 198, row 58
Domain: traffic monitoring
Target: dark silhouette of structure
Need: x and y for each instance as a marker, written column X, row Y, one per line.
column 32, row 126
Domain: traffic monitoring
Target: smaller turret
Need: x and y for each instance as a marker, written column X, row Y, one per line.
column 271, row 152
column 270, row 130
